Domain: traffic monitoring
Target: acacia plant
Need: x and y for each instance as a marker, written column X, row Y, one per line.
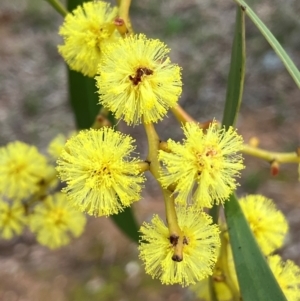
column 135, row 80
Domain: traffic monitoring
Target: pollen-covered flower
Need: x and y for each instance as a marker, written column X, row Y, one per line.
column 85, row 32
column 267, row 223
column 137, row 81
column 287, row 275
column 200, row 248
column 22, row 168
column 12, row 219
column 55, row 222
column 101, row 177
column 203, row 167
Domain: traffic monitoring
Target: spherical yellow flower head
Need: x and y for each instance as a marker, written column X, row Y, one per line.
column 137, row 81
column 85, row 32
column 22, row 168
column 203, row 167
column 267, row 223
column 55, row 222
column 200, row 250
column 287, row 275
column 101, row 177
column 12, row 219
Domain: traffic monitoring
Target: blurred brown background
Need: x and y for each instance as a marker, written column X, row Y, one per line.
column 102, row 264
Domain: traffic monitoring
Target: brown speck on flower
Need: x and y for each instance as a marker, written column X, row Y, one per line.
column 185, row 240
column 137, row 78
column 174, row 240
column 211, row 152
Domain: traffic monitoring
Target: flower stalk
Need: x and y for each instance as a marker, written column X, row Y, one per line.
column 292, row 157
column 124, row 6
column 181, row 115
column 121, row 26
column 225, row 267
column 176, row 237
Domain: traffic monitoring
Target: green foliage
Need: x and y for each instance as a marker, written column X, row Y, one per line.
column 289, row 64
column 251, row 266
column 235, row 85
column 250, row 263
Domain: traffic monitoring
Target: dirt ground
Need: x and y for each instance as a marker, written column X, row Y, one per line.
column 102, row 264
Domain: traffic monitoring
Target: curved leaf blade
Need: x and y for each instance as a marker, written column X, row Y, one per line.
column 83, row 98
column 289, row 64
column 126, row 222
column 235, row 86
column 256, row 280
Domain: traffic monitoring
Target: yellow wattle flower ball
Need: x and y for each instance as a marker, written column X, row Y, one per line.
column 203, row 167
column 200, row 250
column 22, row 168
column 12, row 219
column 287, row 275
column 54, row 221
column 267, row 223
column 137, row 81
column 101, row 176
column 85, row 32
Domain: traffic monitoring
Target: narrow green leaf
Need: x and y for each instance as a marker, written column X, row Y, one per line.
column 84, row 101
column 289, row 64
column 235, row 85
column 82, row 90
column 127, row 223
column 72, row 4
column 256, row 280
